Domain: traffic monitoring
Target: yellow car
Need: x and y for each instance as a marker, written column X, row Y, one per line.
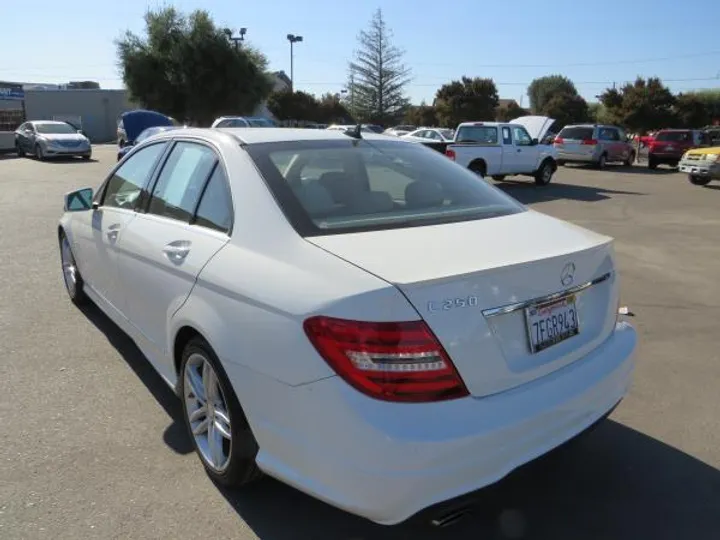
column 701, row 165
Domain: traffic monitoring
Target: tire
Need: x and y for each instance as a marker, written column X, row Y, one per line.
column 478, row 167
column 39, row 154
column 698, row 180
column 652, row 164
column 498, row 177
column 71, row 275
column 544, row 174
column 19, row 151
column 86, row 158
column 630, row 160
column 602, row 162
column 232, row 462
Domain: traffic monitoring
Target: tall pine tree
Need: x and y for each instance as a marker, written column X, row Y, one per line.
column 377, row 76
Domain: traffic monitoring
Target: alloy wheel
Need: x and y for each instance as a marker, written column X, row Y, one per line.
column 68, row 267
column 207, row 412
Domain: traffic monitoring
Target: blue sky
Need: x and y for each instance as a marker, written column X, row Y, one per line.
column 511, row 41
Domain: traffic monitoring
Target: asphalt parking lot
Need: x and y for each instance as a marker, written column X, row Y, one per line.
column 93, row 445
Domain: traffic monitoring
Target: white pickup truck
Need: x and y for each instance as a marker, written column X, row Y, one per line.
column 500, row 149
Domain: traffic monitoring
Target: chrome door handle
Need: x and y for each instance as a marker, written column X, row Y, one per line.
column 113, row 231
column 177, row 251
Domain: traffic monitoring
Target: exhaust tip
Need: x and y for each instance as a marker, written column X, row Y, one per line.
column 450, row 518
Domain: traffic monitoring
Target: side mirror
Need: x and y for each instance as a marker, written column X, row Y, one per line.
column 79, row 201
column 534, row 142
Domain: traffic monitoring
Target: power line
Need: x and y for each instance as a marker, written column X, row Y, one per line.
column 468, row 65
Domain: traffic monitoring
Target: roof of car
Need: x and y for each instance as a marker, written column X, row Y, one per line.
column 268, row 135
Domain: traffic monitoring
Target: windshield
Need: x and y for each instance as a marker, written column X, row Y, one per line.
column 673, row 136
column 327, row 187
column 55, row 129
column 576, row 133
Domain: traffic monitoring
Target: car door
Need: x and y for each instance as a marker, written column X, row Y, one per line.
column 28, row 138
column 525, row 152
column 96, row 237
column 166, row 246
column 509, row 152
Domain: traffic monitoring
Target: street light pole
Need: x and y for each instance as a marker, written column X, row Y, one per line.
column 292, row 39
column 236, row 40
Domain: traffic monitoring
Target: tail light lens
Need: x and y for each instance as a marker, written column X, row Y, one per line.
column 450, row 153
column 391, row 361
column 558, row 140
column 590, row 142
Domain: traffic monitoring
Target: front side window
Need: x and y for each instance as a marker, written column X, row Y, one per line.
column 127, row 183
column 181, row 181
column 477, row 134
column 331, row 187
column 521, row 136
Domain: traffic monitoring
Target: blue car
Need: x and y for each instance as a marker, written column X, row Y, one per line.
column 132, row 123
column 149, row 132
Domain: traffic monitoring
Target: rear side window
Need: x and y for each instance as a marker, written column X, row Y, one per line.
column 215, row 209
column 180, row 184
column 576, row 133
column 477, row 134
column 674, row 136
column 331, row 187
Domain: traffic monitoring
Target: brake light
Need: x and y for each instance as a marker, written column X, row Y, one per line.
column 391, row 361
column 590, row 142
column 559, row 140
column 450, row 153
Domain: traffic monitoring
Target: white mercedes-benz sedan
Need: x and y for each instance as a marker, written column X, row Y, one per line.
column 355, row 315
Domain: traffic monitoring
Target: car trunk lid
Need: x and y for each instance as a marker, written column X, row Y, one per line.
column 471, row 282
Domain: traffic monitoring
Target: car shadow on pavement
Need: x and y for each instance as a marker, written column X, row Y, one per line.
column 528, row 193
column 175, row 435
column 56, row 160
column 638, row 168
column 615, row 483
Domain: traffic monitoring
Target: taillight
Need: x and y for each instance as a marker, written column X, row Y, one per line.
column 558, row 140
column 449, row 152
column 391, row 361
column 590, row 142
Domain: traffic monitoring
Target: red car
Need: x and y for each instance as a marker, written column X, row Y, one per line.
column 669, row 145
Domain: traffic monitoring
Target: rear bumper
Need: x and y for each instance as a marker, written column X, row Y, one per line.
column 575, row 158
column 665, row 157
column 386, row 462
column 706, row 169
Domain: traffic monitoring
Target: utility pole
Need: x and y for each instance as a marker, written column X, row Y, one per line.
column 292, row 39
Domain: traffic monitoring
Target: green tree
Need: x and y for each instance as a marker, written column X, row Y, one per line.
column 692, row 111
column 332, row 110
column 466, row 99
column 286, row 105
column 186, row 67
column 511, row 111
column 641, row 106
column 542, row 89
column 377, row 75
column 421, row 115
column 566, row 109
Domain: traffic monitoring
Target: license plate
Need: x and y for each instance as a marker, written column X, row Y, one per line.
column 551, row 322
column 669, row 148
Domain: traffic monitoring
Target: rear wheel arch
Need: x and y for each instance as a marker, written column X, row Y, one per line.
column 182, row 337
column 478, row 166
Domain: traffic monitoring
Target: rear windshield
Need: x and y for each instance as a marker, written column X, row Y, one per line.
column 576, row 133
column 674, row 136
column 477, row 134
column 331, row 187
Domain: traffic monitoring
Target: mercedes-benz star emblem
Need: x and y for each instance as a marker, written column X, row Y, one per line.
column 567, row 276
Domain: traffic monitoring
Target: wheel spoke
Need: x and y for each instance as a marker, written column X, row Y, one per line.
column 209, row 381
column 222, row 423
column 202, row 427
column 198, row 413
column 196, row 384
column 215, row 445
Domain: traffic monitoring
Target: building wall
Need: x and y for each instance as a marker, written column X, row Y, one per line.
column 98, row 110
